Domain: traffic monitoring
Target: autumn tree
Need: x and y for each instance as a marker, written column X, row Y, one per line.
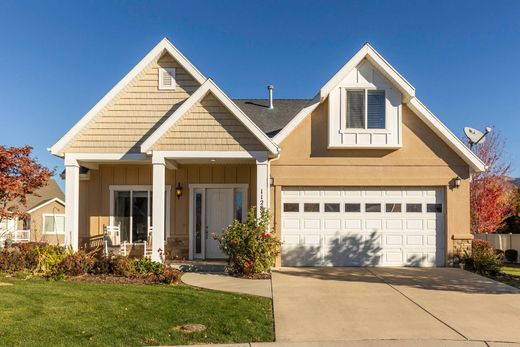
column 20, row 176
column 492, row 197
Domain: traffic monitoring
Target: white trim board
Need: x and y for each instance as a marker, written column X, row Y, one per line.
column 45, row 204
column 163, row 46
column 207, row 87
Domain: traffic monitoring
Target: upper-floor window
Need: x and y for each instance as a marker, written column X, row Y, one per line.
column 167, row 78
column 365, row 109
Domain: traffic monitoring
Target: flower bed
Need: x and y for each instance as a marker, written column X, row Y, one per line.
column 55, row 262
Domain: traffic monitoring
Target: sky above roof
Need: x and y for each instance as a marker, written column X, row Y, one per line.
column 58, row 58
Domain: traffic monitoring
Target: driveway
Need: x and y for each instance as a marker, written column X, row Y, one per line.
column 326, row 304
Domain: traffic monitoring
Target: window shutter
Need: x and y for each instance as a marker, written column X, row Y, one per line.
column 167, row 78
column 356, row 109
column 376, row 109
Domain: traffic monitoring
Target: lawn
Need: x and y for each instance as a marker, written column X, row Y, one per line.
column 514, row 271
column 43, row 313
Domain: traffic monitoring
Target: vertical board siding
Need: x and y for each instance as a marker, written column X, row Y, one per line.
column 136, row 112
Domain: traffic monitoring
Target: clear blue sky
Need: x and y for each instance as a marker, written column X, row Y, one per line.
column 58, row 58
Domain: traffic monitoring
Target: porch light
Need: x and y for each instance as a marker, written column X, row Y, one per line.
column 178, row 190
column 456, row 182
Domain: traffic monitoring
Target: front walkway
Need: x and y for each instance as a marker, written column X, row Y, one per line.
column 228, row 283
column 339, row 304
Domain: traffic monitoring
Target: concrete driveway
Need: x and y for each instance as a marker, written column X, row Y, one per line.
column 326, row 304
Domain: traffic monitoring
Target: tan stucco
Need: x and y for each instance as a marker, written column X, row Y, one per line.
column 136, row 112
column 424, row 160
column 36, row 223
column 95, row 195
column 209, row 126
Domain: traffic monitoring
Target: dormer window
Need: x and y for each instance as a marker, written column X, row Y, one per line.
column 365, row 109
column 167, row 78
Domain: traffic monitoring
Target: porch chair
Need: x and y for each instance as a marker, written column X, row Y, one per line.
column 113, row 238
column 148, row 250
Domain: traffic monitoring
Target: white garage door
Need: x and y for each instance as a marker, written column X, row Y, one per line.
column 362, row 226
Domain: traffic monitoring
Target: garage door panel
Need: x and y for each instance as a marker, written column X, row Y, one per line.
column 351, row 236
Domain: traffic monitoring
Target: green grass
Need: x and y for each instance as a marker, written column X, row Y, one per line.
column 42, row 313
column 513, row 270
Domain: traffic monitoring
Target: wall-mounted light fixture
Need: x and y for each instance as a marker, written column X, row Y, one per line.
column 178, row 190
column 456, row 182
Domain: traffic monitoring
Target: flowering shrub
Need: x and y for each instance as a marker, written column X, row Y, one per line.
column 251, row 248
column 483, row 259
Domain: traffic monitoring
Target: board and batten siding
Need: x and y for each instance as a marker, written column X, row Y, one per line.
column 136, row 112
column 94, row 195
column 209, row 126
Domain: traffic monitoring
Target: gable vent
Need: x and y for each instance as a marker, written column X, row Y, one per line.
column 167, row 78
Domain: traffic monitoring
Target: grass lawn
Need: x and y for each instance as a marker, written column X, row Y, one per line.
column 42, row 313
column 514, row 271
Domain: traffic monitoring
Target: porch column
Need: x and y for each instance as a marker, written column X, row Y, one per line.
column 71, row 203
column 261, row 183
column 158, row 207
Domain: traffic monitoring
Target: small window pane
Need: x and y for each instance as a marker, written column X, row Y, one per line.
column 291, row 207
column 352, row 207
column 311, row 207
column 356, row 109
column 239, row 198
column 376, row 109
column 372, row 207
column 54, row 224
column 198, row 223
column 413, row 207
column 329, row 207
column 393, row 207
column 434, row 208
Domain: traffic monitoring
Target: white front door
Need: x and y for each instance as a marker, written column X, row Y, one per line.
column 219, row 214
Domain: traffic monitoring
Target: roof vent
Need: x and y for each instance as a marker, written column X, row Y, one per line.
column 270, row 89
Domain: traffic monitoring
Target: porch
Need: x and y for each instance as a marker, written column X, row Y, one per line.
column 167, row 204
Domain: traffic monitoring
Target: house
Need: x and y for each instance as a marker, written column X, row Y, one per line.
column 361, row 174
column 45, row 217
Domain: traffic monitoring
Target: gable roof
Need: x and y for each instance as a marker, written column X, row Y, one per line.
column 163, row 46
column 207, row 87
column 408, row 91
column 44, row 195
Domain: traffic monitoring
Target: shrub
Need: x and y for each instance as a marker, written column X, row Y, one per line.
column 483, row 259
column 146, row 266
column 31, row 257
column 48, row 258
column 250, row 246
column 74, row 264
column 511, row 255
column 122, row 266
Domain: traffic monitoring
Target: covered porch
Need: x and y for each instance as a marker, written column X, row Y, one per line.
column 165, row 204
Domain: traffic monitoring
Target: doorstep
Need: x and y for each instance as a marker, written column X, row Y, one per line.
column 203, row 266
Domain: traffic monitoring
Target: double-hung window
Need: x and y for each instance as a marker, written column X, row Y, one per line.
column 53, row 223
column 365, row 109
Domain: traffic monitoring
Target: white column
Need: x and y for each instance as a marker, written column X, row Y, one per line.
column 262, row 184
column 158, row 207
column 71, row 203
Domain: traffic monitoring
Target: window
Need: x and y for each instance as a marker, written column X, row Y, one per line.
column 434, row 208
column 53, row 223
column 198, row 222
column 329, row 207
column 311, row 207
column 352, row 207
column 366, row 109
column 291, row 207
column 413, row 208
column 372, row 207
column 167, row 78
column 239, row 202
column 393, row 207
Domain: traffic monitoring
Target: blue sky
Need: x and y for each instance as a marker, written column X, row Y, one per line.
column 58, row 58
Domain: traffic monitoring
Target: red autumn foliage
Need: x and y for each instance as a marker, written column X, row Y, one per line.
column 20, row 175
column 491, row 194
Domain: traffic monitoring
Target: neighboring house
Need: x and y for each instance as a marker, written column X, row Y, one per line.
column 45, row 220
column 361, row 174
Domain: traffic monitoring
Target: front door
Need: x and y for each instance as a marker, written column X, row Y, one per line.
column 219, row 214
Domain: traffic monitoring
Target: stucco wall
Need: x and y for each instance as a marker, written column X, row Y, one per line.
column 94, row 195
column 37, row 234
column 424, row 160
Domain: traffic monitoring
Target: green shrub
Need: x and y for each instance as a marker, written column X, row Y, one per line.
column 31, row 257
column 483, row 259
column 74, row 264
column 511, row 255
column 251, row 248
column 122, row 266
column 48, row 258
column 147, row 265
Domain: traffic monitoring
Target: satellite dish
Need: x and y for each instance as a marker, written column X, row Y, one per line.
column 476, row 136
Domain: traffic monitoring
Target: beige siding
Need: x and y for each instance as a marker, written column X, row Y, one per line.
column 209, row 126
column 95, row 195
column 424, row 160
column 36, row 216
column 136, row 112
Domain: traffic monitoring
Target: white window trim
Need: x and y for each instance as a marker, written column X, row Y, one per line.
column 149, row 188
column 171, row 72
column 344, row 103
column 53, row 216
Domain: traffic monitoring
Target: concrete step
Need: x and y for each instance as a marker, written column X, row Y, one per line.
column 199, row 266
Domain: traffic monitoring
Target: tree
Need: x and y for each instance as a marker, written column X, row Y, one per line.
column 492, row 197
column 20, row 175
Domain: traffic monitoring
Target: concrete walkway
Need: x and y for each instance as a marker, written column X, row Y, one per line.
column 226, row 283
column 372, row 343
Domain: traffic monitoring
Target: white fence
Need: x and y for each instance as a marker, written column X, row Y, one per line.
column 15, row 236
column 501, row 241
